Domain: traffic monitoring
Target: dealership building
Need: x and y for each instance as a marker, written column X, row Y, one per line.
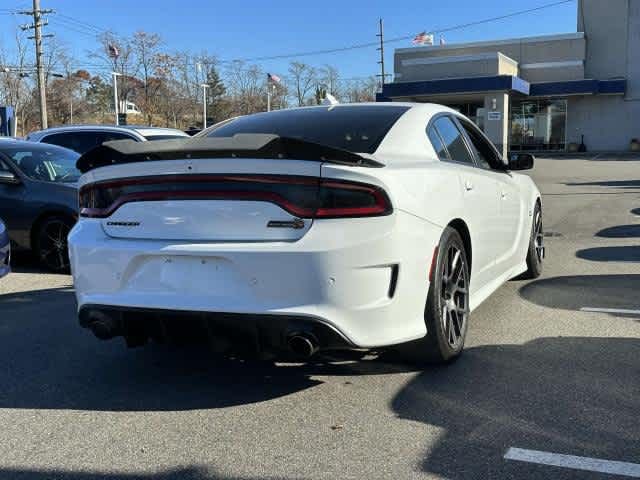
column 541, row 93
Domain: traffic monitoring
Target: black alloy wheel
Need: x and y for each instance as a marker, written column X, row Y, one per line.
column 51, row 244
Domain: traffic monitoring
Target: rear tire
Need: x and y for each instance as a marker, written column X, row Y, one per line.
column 536, row 251
column 446, row 313
column 50, row 243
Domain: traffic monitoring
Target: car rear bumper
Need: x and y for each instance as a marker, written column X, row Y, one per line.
column 364, row 279
column 256, row 334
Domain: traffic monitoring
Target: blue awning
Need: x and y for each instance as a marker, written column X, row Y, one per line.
column 579, row 87
column 456, row 85
column 506, row 83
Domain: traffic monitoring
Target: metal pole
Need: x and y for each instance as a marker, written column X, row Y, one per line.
column 71, row 111
column 39, row 67
column 204, row 105
column 115, row 94
column 382, row 74
column 268, row 98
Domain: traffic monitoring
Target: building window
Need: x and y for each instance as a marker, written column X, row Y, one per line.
column 538, row 124
column 474, row 111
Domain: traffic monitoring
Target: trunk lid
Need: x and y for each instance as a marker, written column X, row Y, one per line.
column 210, row 200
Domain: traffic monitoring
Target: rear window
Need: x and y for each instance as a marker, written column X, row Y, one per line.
column 83, row 141
column 355, row 128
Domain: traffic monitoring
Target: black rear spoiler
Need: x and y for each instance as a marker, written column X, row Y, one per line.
column 242, row 145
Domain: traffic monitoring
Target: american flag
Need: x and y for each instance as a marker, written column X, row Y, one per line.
column 113, row 51
column 273, row 78
column 423, row 38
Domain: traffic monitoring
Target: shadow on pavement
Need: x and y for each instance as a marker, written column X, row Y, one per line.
column 188, row 473
column 570, row 395
column 629, row 253
column 620, row 231
column 26, row 262
column 607, row 183
column 575, row 292
column 47, row 361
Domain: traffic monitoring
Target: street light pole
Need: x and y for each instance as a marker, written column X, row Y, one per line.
column 204, row 105
column 115, row 94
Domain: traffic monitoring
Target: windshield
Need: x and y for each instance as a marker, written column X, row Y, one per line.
column 47, row 163
column 355, row 128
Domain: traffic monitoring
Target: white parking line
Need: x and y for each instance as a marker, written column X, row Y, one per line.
column 622, row 311
column 576, row 463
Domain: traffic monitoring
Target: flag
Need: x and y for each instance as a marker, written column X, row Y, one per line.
column 423, row 38
column 442, row 42
column 113, row 51
column 273, row 78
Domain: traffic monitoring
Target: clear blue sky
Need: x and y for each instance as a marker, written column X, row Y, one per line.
column 243, row 29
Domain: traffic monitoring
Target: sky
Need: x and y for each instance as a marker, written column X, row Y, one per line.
column 248, row 29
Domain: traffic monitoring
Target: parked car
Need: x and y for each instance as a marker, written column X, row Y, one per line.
column 5, row 251
column 82, row 138
column 350, row 226
column 39, row 198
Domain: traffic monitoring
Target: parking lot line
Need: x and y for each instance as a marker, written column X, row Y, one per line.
column 576, row 463
column 622, row 311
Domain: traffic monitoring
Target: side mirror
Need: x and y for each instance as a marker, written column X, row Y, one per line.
column 521, row 161
column 9, row 178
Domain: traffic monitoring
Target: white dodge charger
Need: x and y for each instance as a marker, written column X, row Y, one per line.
column 349, row 226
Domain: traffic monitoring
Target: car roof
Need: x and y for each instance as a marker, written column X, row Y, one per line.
column 425, row 107
column 139, row 129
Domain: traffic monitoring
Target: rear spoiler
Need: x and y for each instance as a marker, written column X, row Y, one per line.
column 242, row 145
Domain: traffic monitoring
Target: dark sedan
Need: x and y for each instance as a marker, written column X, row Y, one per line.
column 5, row 250
column 38, row 199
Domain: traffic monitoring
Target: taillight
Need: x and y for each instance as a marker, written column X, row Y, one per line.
column 305, row 197
column 349, row 199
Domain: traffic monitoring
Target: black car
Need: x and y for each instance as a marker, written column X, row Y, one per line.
column 38, row 198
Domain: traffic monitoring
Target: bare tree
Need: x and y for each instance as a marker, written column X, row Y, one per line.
column 303, row 80
column 247, row 88
column 145, row 47
column 121, row 63
column 362, row 90
column 16, row 85
column 329, row 77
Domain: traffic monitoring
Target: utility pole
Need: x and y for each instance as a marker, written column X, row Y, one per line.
column 204, row 104
column 382, row 74
column 115, row 76
column 38, row 23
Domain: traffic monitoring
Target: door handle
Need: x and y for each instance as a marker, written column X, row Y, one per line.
column 468, row 186
column 503, row 195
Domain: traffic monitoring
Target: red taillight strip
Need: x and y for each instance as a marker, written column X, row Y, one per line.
column 381, row 206
column 198, row 195
column 195, row 178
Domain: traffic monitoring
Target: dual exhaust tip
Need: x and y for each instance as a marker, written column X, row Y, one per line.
column 105, row 327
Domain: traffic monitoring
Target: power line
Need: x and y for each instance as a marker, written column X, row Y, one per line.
column 88, row 29
column 403, row 38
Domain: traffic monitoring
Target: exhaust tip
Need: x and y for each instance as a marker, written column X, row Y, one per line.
column 102, row 326
column 302, row 345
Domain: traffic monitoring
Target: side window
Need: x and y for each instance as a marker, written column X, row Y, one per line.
column 108, row 136
column 486, row 155
column 438, row 144
column 453, row 140
column 60, row 139
column 4, row 167
column 82, row 142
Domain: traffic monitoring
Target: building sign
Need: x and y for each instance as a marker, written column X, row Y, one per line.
column 494, row 115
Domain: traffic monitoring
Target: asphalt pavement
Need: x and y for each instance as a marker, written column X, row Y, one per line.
column 551, row 365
